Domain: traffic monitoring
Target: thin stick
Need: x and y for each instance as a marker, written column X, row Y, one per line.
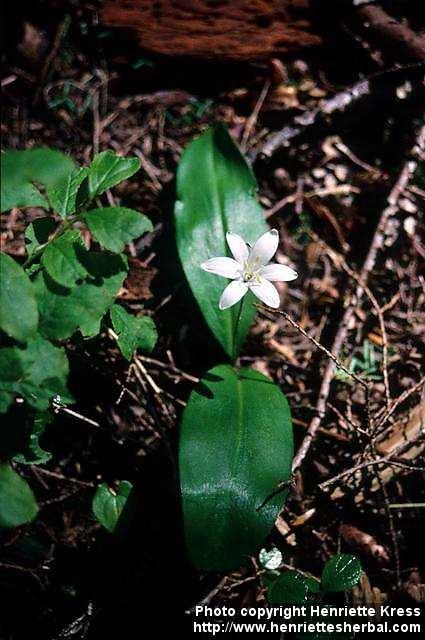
column 408, row 505
column 250, row 123
column 406, row 394
column 341, row 335
column 340, row 262
column 79, row 416
column 342, row 189
column 317, row 344
column 170, row 367
column 364, row 465
column 392, row 529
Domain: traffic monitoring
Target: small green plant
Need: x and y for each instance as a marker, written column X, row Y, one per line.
column 368, row 367
column 340, row 573
column 236, row 442
column 61, row 290
column 114, row 509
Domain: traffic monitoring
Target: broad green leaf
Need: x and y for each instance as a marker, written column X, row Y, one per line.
column 236, row 447
column 61, row 259
column 62, row 195
column 37, row 234
column 216, row 193
column 18, row 307
column 21, row 169
column 108, row 169
column 63, row 311
column 291, row 587
column 17, row 502
column 133, row 332
column 114, row 227
column 341, row 572
column 37, row 373
column 109, row 506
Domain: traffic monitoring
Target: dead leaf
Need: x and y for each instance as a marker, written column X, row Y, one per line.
column 364, row 542
column 137, row 284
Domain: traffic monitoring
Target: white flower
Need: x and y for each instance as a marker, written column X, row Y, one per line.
column 250, row 269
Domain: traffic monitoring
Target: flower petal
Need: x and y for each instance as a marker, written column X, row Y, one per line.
column 278, row 273
column 264, row 248
column 226, row 267
column 266, row 292
column 232, row 294
column 238, row 247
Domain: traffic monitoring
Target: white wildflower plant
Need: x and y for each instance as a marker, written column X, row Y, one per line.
column 250, row 269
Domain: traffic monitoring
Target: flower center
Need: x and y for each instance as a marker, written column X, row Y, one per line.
column 250, row 272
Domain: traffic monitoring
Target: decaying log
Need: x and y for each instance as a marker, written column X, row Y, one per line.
column 384, row 30
column 225, row 29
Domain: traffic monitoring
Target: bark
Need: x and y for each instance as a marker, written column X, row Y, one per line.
column 225, row 29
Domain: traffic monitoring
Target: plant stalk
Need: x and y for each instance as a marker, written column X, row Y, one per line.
column 235, row 330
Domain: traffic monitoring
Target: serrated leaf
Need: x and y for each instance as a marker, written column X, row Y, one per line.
column 216, row 193
column 37, row 234
column 108, row 169
column 236, row 447
column 21, row 169
column 17, row 502
column 31, row 452
column 114, row 227
column 133, row 332
column 109, row 506
column 291, row 587
column 63, row 311
column 61, row 259
column 63, row 195
column 19, row 439
column 341, row 572
column 6, row 400
column 18, row 306
column 37, row 372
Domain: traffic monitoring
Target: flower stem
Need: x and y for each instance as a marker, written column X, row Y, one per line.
column 235, row 330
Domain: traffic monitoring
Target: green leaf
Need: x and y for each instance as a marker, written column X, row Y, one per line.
column 18, row 307
column 37, row 234
column 109, row 506
column 236, row 446
column 63, row 311
column 291, row 587
column 108, row 169
column 216, row 194
column 37, row 373
column 17, row 502
column 63, row 194
column 341, row 572
column 114, row 227
column 61, row 259
column 133, row 333
column 20, row 440
column 6, row 400
column 21, row 169
column 31, row 452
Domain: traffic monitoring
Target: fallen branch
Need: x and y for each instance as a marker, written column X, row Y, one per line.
column 374, row 89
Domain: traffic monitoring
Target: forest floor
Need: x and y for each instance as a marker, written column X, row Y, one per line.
column 347, row 196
